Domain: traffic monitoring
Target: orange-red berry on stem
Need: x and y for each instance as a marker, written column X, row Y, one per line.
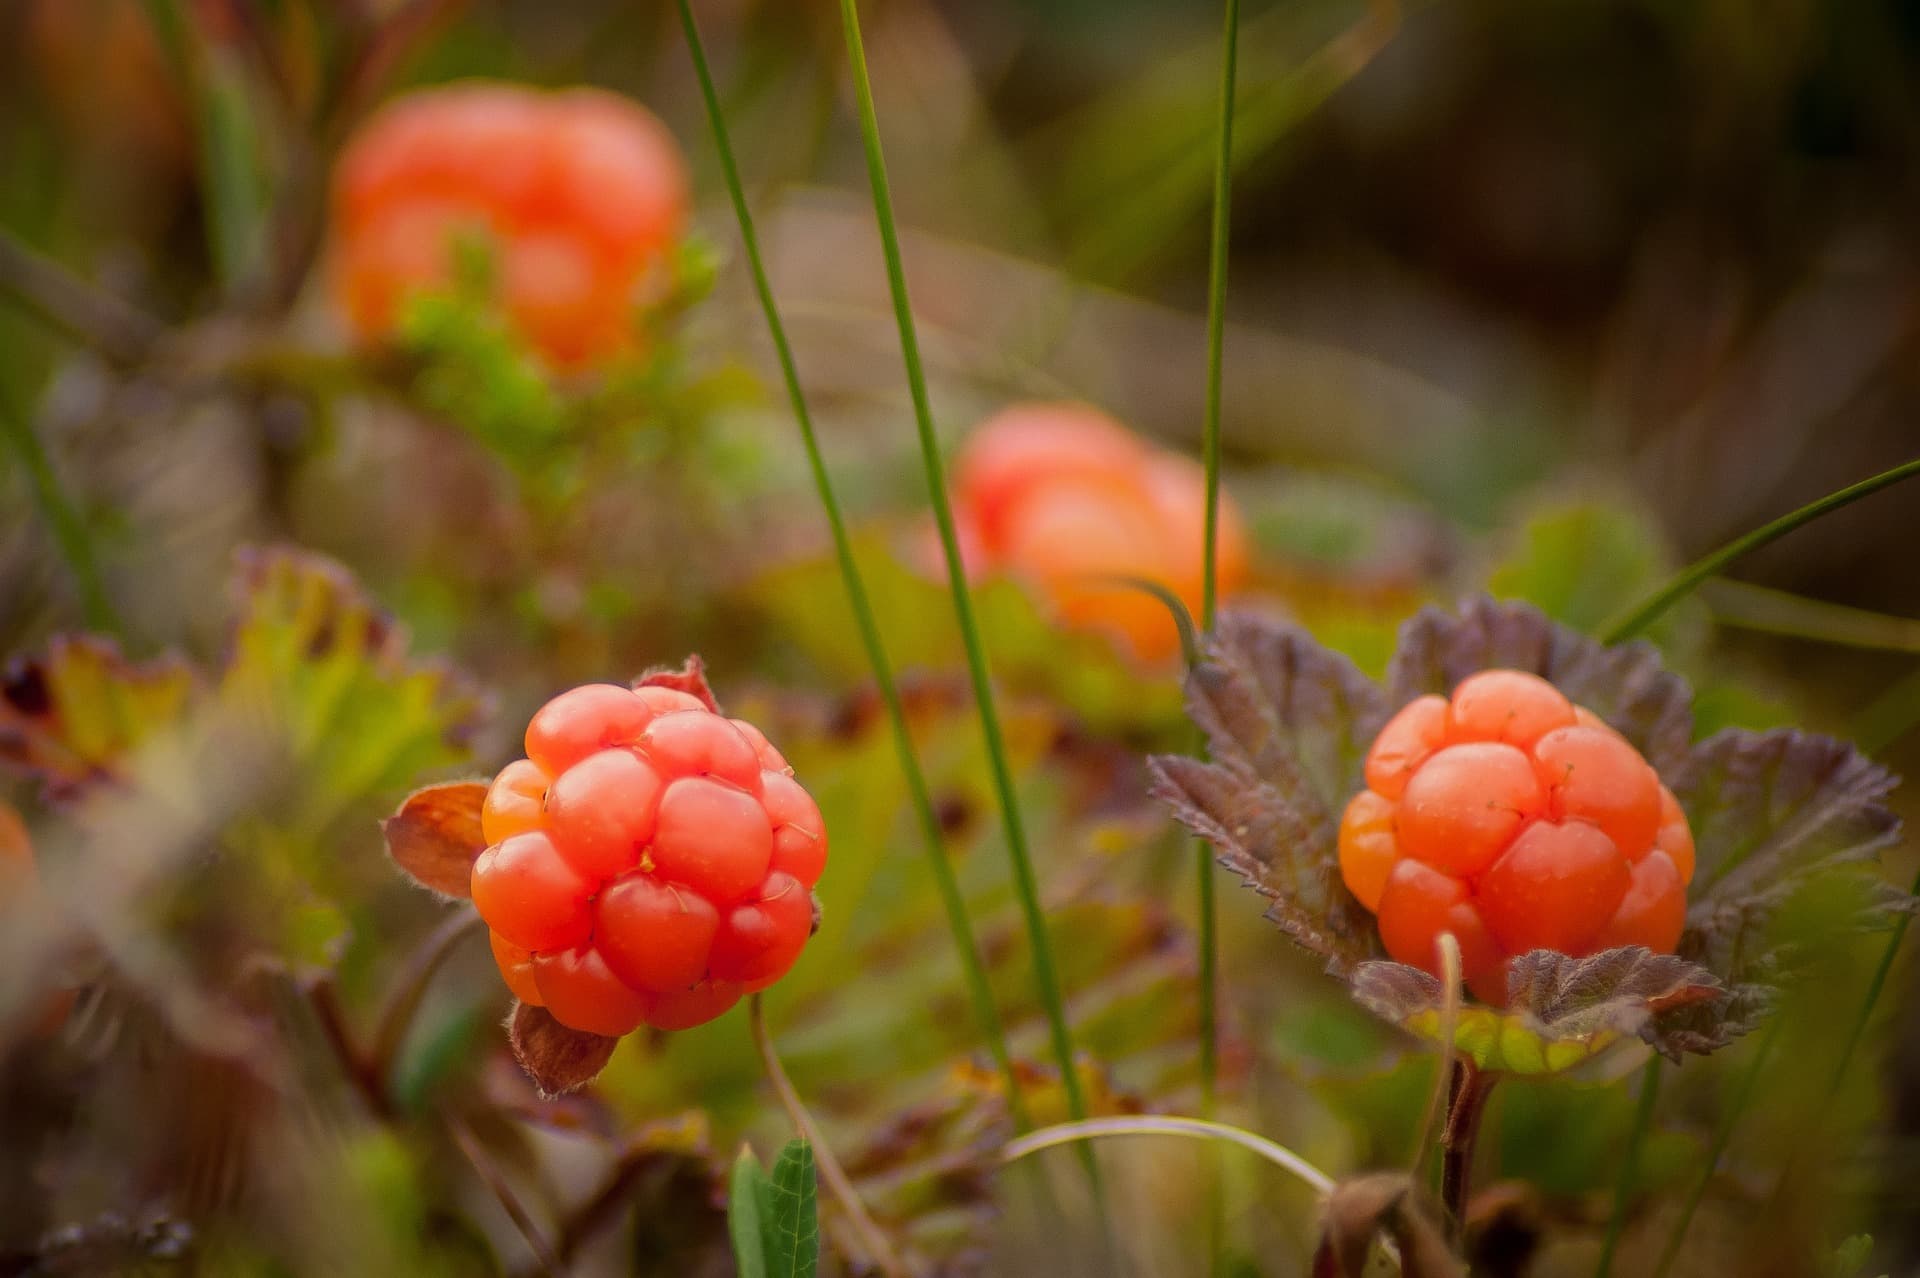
column 654, row 861
column 1515, row 820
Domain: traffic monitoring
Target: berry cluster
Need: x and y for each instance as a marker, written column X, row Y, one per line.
column 579, row 196
column 1515, row 820
column 1066, row 498
column 649, row 861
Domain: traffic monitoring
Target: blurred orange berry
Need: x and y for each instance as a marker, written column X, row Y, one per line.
column 1066, row 498
column 579, row 195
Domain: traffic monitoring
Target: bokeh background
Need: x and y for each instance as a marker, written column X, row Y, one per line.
column 1543, row 299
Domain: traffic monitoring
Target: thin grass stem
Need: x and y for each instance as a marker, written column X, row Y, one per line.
column 1681, row 583
column 1158, row 1125
column 1025, row 884
column 1630, row 1165
column 972, row 965
column 63, row 519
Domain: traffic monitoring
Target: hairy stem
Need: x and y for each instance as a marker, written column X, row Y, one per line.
column 1466, row 1106
column 880, row 1253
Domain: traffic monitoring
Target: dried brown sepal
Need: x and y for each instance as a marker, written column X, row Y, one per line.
column 1560, row 1010
column 1288, row 724
column 435, row 836
column 1366, row 1209
column 1625, row 685
column 558, row 1059
column 690, row 678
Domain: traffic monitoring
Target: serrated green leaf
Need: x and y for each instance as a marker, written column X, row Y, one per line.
column 77, row 714
column 747, row 1189
column 790, row 1227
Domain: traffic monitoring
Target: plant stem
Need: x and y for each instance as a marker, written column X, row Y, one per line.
column 490, row 1175
column 1677, row 587
column 1742, row 1096
column 880, row 1253
column 1630, row 1165
column 120, row 333
column 1209, row 583
column 1466, row 1106
column 972, row 965
column 1167, row 1125
column 63, row 521
column 1025, row 884
column 410, row 987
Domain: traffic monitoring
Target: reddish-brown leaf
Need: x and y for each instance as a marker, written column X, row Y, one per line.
column 556, row 1058
column 435, row 836
column 690, row 678
column 1383, row 1205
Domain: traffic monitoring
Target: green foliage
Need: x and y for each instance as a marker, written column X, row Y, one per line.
column 773, row 1219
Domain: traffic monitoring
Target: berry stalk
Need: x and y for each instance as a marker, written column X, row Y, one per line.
column 1025, row 883
column 958, row 922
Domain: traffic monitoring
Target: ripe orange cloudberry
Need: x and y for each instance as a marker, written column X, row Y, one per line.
column 579, row 196
column 1515, row 820
column 648, row 862
column 1066, row 498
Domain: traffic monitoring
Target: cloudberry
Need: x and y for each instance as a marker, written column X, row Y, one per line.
column 1065, row 497
column 649, row 861
column 1515, row 820
column 579, row 196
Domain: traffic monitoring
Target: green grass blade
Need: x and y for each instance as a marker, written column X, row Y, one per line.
column 63, row 520
column 974, row 968
column 1742, row 1097
column 746, row 1197
column 1015, row 830
column 1645, row 613
column 1209, row 585
column 1630, row 1165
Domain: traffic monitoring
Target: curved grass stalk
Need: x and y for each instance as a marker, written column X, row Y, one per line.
column 63, row 521
column 972, row 965
column 1025, row 884
column 1161, row 1125
column 880, row 1252
column 1681, row 583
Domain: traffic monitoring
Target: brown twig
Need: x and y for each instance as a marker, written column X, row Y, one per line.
column 403, row 1002
column 121, row 333
column 880, row 1253
column 325, row 1001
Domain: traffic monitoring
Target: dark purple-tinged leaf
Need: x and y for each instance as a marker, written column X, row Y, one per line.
column 1625, row 685
column 1560, row 1010
column 1772, row 812
column 435, row 836
column 1288, row 724
column 556, row 1058
column 76, row 714
column 1387, row 1205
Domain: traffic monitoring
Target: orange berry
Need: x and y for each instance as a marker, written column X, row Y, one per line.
column 1555, row 888
column 1521, row 822
column 516, row 968
column 583, row 993
column 1027, row 447
column 1506, row 705
column 1404, row 744
column 1675, row 836
column 1368, row 849
column 1176, row 489
column 516, row 801
column 1598, row 777
column 584, row 720
column 580, row 195
column 1418, row 904
column 527, row 892
column 654, row 935
column 654, row 860
column 1464, row 805
column 601, row 812
column 1654, row 911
